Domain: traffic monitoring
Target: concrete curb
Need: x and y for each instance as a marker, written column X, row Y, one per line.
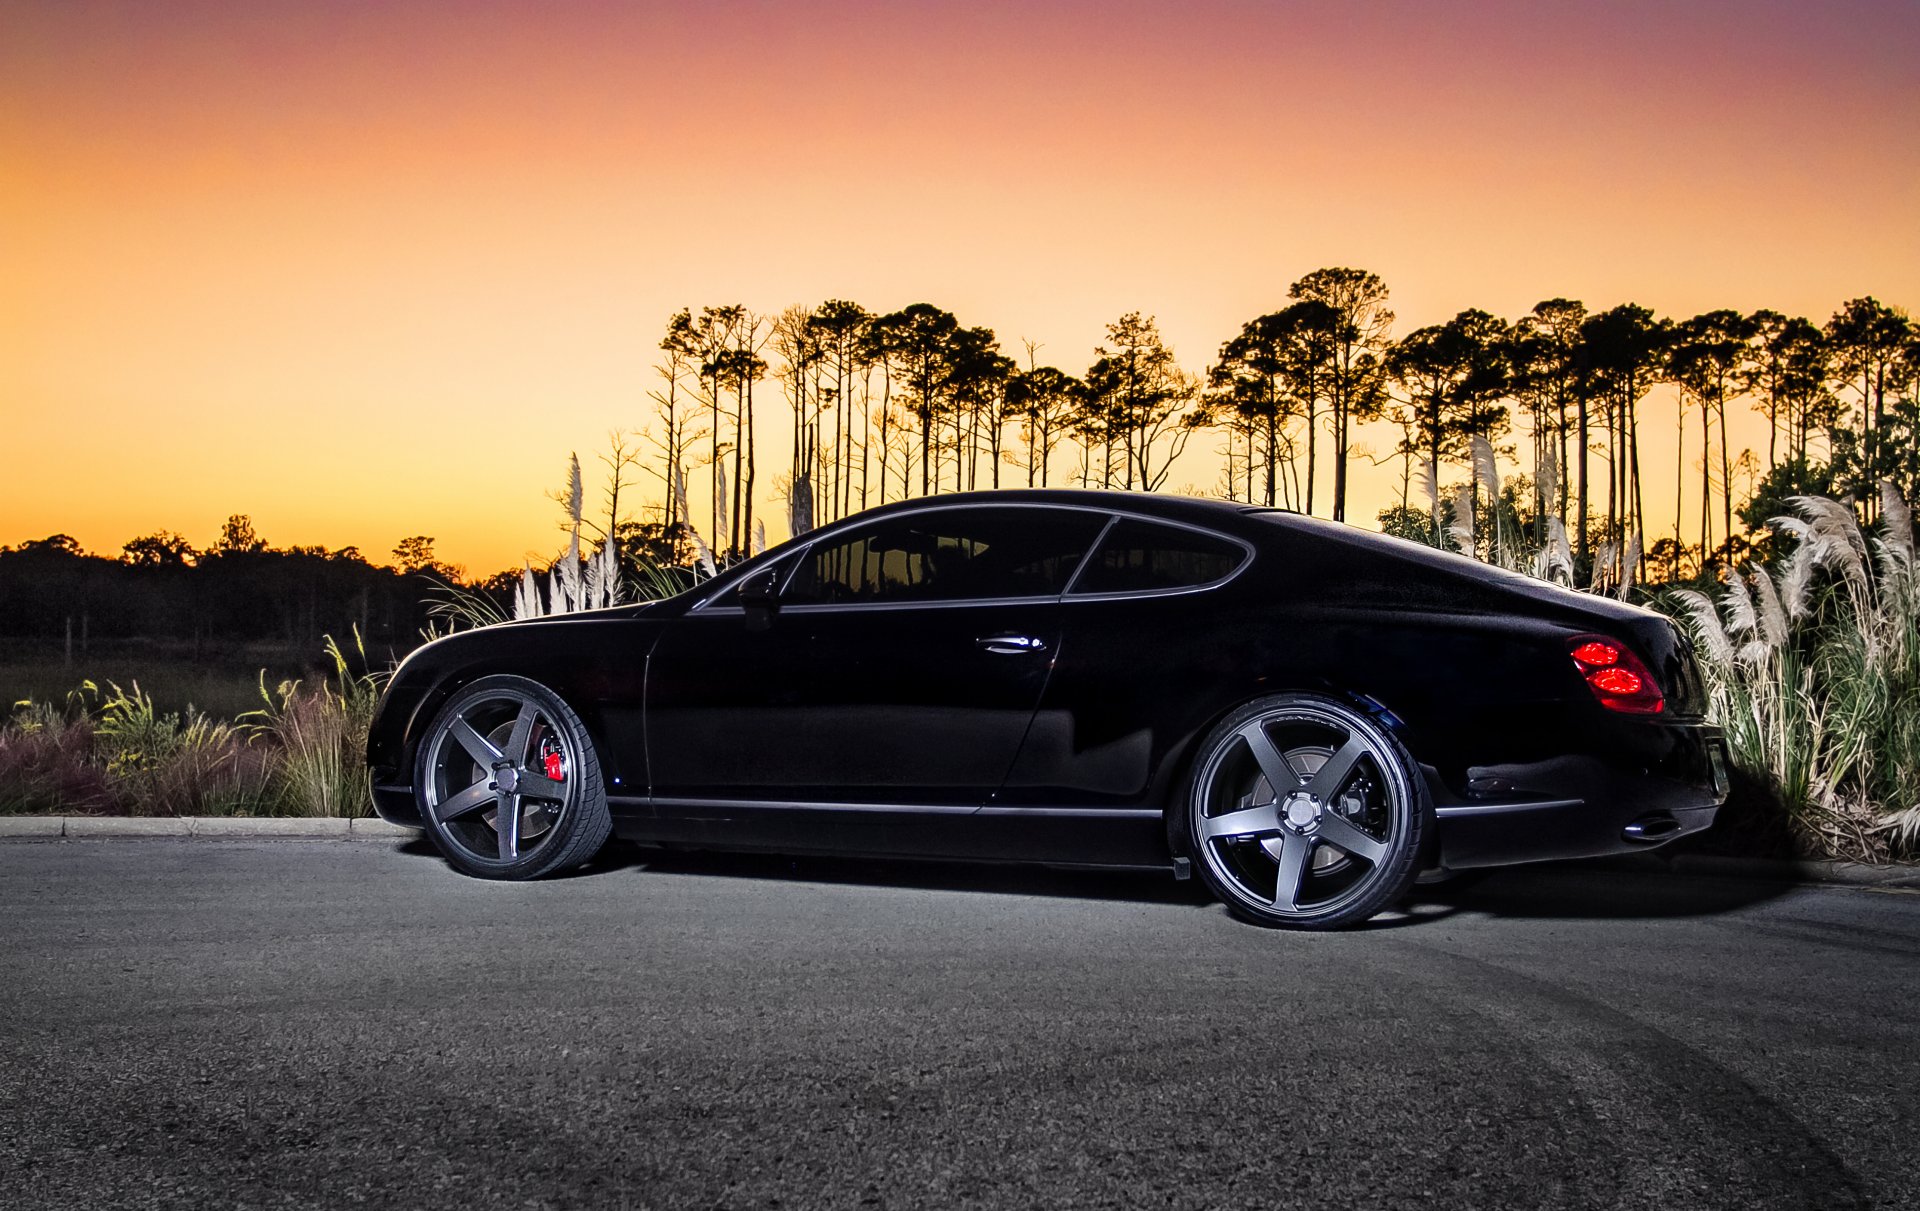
column 96, row 828
column 277, row 826
column 125, row 826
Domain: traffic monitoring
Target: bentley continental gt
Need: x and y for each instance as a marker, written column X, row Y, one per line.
column 1309, row 716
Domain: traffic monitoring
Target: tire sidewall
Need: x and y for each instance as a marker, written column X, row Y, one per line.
column 583, row 823
column 1403, row 864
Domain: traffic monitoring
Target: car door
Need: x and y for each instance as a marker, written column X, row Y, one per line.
column 1152, row 637
column 897, row 673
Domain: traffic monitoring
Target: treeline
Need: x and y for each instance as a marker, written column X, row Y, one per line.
column 911, row 402
column 239, row 591
column 886, row 405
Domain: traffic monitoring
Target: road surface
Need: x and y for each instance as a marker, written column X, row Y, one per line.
column 329, row 1024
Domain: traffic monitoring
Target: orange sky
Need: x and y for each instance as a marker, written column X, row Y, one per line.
column 368, row 270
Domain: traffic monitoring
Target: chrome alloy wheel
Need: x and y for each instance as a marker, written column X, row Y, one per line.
column 500, row 770
column 1304, row 814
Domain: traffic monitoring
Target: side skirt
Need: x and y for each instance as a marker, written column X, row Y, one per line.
column 1102, row 838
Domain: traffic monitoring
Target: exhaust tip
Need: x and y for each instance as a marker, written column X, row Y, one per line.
column 1656, row 827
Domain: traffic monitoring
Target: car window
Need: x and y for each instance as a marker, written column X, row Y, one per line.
column 1142, row 556
column 730, row 596
column 948, row 555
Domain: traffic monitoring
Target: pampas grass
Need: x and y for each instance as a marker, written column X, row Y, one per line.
column 1486, row 473
column 574, row 582
column 686, row 519
column 1813, row 670
column 1554, row 560
column 1460, row 529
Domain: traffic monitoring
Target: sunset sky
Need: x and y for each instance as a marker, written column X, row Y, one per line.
column 365, row 270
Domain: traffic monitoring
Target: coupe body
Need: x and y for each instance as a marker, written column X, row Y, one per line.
column 1310, row 716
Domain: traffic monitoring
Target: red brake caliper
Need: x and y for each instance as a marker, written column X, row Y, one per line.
column 556, row 765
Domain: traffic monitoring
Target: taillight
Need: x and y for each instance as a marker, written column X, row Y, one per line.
column 1616, row 676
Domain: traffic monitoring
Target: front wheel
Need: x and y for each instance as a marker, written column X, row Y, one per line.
column 508, row 782
column 1304, row 813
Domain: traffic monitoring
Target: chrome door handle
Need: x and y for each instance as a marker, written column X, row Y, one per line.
column 1012, row 645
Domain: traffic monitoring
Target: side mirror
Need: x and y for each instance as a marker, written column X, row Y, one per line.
column 760, row 598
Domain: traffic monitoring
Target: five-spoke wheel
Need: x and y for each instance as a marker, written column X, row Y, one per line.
column 509, row 783
column 1306, row 813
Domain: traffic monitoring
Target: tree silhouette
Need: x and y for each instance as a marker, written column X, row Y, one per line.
column 840, row 330
column 1542, row 351
column 1785, row 366
column 1705, row 356
column 1620, row 355
column 162, row 548
column 920, row 338
column 237, row 538
column 1453, row 376
column 681, row 347
column 1867, row 340
column 977, row 377
column 1361, row 322
column 1043, row 400
column 1276, row 371
column 1140, row 392
column 797, row 341
column 413, row 554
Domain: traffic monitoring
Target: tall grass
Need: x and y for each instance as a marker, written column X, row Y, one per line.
column 303, row 753
column 177, row 763
column 320, row 736
column 47, row 763
column 1813, row 668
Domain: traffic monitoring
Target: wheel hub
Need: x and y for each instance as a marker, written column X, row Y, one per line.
column 1301, row 812
column 506, row 779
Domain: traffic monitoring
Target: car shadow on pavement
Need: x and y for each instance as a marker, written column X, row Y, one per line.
column 1568, row 890
column 1578, row 890
column 928, row 875
column 1548, row 891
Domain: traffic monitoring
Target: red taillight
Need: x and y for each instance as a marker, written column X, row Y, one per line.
column 1618, row 682
column 1616, row 676
column 1597, row 654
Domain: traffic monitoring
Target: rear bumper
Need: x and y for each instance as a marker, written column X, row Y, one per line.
column 1669, row 784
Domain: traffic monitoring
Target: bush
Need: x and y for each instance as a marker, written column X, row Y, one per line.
column 1814, row 671
column 302, row 754
column 47, row 765
column 320, row 734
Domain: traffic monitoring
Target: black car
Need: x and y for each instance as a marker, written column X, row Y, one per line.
column 1311, row 715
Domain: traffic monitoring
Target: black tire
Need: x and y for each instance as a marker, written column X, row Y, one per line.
column 475, row 770
column 1348, row 849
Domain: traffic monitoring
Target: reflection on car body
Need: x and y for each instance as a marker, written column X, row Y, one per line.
column 1309, row 715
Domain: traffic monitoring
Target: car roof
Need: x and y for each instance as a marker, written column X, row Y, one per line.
column 1192, row 509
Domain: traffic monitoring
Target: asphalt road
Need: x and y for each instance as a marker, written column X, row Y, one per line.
column 329, row 1024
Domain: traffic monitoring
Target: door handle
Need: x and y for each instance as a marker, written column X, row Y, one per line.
column 1012, row 645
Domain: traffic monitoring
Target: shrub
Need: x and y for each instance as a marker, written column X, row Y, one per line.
column 1814, row 671
column 47, row 765
column 303, row 753
column 320, row 736
column 178, row 763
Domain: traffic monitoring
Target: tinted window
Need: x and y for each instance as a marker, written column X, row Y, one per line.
column 1140, row 556
column 731, row 596
column 948, row 555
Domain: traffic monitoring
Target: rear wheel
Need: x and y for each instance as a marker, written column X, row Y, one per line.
column 508, row 782
column 1304, row 813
